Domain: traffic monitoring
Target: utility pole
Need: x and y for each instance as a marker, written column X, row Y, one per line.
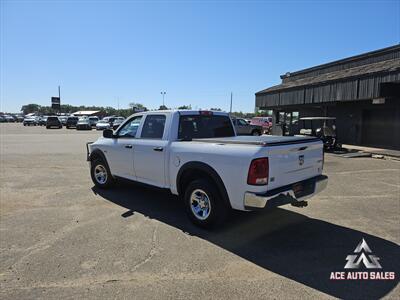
column 230, row 110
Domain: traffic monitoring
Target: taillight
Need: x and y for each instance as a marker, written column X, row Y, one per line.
column 258, row 172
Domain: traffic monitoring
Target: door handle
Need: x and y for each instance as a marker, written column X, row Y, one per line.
column 128, row 146
column 160, row 149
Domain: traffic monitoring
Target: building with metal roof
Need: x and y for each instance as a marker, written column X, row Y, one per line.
column 86, row 113
column 362, row 92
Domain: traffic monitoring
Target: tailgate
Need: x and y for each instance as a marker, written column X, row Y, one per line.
column 294, row 162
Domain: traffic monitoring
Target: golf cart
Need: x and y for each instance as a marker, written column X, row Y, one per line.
column 322, row 127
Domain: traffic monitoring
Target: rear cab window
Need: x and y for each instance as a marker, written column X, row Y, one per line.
column 204, row 126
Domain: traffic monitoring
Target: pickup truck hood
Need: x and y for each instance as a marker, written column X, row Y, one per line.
column 263, row 140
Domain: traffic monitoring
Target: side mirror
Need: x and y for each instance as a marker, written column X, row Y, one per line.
column 108, row 133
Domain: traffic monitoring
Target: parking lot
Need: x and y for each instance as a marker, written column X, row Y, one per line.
column 60, row 237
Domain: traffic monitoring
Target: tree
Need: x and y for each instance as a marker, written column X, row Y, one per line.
column 163, row 107
column 137, row 105
column 185, row 107
column 216, row 109
column 30, row 108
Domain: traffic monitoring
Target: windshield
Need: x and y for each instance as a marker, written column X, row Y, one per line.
column 204, row 126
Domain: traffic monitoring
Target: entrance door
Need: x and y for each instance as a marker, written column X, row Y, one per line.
column 377, row 128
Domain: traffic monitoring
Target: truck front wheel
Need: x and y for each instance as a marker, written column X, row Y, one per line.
column 203, row 204
column 100, row 174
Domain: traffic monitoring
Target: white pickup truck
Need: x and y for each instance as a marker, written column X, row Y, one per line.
column 197, row 155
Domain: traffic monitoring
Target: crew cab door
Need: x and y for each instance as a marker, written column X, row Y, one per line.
column 120, row 154
column 150, row 151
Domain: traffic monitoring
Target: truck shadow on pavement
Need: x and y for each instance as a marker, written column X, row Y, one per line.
column 290, row 244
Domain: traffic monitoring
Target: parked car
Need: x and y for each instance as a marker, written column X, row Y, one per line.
column 109, row 119
column 30, row 121
column 43, row 121
column 71, row 122
column 2, row 119
column 103, row 124
column 53, row 121
column 117, row 122
column 244, row 128
column 264, row 122
column 9, row 119
column 196, row 155
column 93, row 121
column 323, row 128
column 83, row 124
column 63, row 120
column 19, row 119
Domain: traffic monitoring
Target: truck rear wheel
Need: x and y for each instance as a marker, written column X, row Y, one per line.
column 203, row 204
column 100, row 174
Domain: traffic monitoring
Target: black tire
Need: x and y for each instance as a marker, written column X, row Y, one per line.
column 255, row 133
column 97, row 165
column 47, row 127
column 218, row 211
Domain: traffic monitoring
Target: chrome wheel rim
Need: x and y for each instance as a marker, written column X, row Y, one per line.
column 100, row 174
column 200, row 204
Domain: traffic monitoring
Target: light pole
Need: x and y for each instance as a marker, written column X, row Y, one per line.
column 230, row 109
column 163, row 95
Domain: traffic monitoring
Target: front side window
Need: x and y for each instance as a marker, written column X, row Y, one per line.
column 242, row 122
column 130, row 128
column 153, row 127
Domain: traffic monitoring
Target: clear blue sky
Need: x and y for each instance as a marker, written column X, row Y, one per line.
column 198, row 52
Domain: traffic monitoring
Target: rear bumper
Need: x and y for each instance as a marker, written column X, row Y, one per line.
column 286, row 194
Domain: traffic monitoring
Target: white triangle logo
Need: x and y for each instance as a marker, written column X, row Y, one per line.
column 370, row 261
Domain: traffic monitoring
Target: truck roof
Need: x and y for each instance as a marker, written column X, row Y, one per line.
column 318, row 118
column 182, row 112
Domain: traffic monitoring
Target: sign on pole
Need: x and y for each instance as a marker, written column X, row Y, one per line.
column 55, row 103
